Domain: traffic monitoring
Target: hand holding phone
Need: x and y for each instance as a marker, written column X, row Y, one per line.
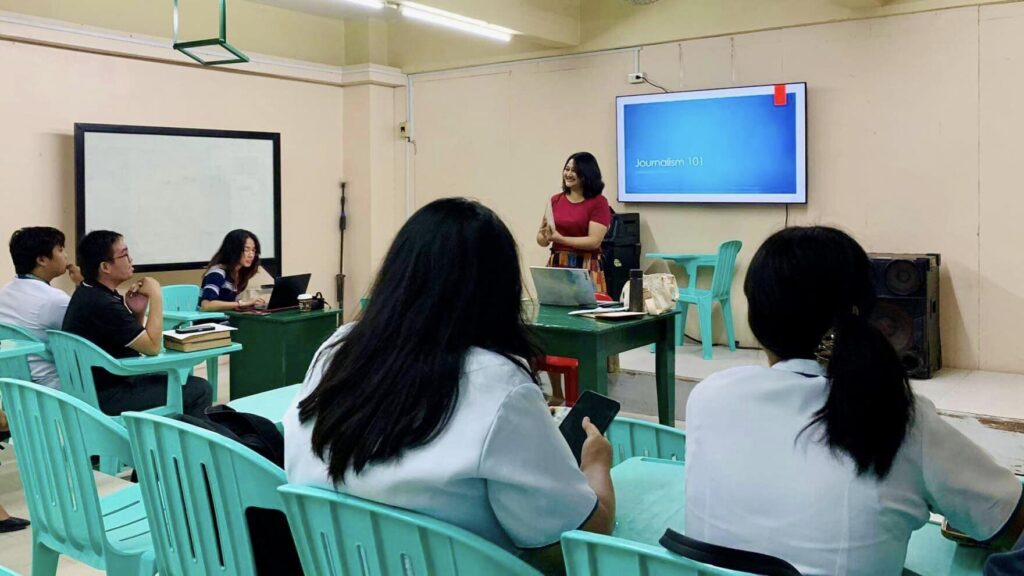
column 601, row 410
column 951, row 533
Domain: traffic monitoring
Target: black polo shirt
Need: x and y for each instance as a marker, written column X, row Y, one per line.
column 101, row 316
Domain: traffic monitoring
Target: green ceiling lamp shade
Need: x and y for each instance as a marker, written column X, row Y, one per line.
column 228, row 53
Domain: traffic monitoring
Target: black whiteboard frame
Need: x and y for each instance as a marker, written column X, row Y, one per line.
column 272, row 265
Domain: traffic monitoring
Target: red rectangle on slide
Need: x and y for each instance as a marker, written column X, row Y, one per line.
column 780, row 94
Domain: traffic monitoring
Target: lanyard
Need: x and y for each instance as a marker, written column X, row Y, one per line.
column 32, row 277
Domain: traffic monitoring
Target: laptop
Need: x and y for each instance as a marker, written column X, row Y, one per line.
column 564, row 287
column 286, row 292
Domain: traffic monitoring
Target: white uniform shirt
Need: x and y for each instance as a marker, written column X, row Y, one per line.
column 500, row 468
column 752, row 484
column 37, row 307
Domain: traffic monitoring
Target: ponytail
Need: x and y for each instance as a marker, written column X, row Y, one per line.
column 870, row 405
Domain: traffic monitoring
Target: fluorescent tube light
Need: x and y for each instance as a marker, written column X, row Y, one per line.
column 456, row 21
column 374, row 4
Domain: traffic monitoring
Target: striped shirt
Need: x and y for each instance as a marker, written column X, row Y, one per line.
column 217, row 286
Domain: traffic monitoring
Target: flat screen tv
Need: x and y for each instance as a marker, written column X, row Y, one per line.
column 728, row 145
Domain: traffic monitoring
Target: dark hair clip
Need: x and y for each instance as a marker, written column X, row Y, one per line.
column 824, row 352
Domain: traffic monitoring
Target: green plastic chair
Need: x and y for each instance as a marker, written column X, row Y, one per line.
column 197, row 485
column 338, row 534
column 589, row 554
column 68, row 516
column 721, row 292
column 185, row 298
column 630, row 437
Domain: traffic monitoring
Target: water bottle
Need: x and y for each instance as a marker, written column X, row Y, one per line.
column 636, row 290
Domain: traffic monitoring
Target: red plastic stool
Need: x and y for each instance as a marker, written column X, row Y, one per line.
column 568, row 367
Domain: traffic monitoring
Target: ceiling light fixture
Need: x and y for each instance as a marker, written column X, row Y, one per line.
column 372, row 4
column 458, row 22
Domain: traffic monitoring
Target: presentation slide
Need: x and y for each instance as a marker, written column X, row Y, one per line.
column 729, row 145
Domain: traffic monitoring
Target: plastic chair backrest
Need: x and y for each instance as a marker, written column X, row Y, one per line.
column 180, row 297
column 589, row 554
column 12, row 332
column 338, row 534
column 197, row 486
column 721, row 281
column 630, row 437
column 55, row 443
column 75, row 357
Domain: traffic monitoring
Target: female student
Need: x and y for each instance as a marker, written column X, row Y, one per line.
column 427, row 402
column 827, row 459
column 581, row 216
column 229, row 272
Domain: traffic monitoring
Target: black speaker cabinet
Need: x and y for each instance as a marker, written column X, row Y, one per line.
column 624, row 229
column 907, row 286
column 617, row 261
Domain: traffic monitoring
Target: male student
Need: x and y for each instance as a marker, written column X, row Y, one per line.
column 118, row 324
column 29, row 301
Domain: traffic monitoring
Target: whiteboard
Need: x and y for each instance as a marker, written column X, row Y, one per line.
column 174, row 193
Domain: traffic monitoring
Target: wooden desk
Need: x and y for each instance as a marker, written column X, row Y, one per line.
column 278, row 347
column 592, row 341
column 651, row 496
column 14, row 358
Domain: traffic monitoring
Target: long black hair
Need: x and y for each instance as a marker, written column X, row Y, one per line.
column 230, row 254
column 588, row 172
column 805, row 282
column 450, row 280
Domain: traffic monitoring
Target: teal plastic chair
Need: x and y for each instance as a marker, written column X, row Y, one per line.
column 12, row 332
column 338, row 535
column 75, row 358
column 589, row 554
column 185, row 298
column 197, row 486
column 630, row 437
column 68, row 516
column 4, row 571
column 721, row 292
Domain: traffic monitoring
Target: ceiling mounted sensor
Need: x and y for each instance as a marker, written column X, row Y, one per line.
column 447, row 19
column 214, row 50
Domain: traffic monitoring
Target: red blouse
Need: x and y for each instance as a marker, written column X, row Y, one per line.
column 573, row 220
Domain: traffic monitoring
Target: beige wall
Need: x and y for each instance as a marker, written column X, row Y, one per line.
column 46, row 90
column 912, row 131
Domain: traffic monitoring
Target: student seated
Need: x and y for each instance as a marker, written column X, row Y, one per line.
column 428, row 404
column 118, row 325
column 827, row 459
column 29, row 301
column 228, row 274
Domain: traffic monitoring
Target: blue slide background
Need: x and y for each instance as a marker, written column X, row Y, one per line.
column 746, row 145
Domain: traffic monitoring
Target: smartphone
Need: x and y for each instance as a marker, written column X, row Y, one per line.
column 959, row 537
column 194, row 329
column 601, row 410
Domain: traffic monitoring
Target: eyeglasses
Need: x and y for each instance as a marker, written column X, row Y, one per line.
column 125, row 255
column 250, row 251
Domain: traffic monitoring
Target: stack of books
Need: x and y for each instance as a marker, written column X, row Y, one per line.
column 214, row 337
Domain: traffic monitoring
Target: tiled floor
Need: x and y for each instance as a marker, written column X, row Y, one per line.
column 975, row 392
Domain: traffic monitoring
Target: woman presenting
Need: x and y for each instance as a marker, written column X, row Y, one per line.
column 581, row 216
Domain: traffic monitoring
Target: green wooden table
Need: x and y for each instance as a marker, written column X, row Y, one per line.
column 592, row 341
column 14, row 358
column 651, row 496
column 278, row 347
